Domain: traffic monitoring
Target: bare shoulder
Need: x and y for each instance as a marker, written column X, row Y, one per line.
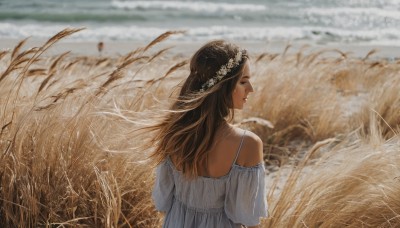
column 251, row 153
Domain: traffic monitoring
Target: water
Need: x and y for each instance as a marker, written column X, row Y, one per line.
column 375, row 22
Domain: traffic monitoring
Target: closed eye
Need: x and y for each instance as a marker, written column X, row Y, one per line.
column 243, row 80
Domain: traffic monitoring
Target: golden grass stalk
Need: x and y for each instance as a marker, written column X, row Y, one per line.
column 118, row 73
column 3, row 53
column 18, row 47
column 161, row 38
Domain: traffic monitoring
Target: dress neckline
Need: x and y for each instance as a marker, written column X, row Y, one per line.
column 171, row 164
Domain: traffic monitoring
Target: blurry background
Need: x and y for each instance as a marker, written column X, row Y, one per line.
column 355, row 25
column 353, row 22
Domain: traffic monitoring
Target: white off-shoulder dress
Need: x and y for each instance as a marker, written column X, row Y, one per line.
column 228, row 201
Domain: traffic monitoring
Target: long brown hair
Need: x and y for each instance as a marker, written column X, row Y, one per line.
column 187, row 131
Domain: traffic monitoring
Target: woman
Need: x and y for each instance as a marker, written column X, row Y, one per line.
column 210, row 173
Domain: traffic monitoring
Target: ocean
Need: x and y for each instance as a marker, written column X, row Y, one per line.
column 366, row 22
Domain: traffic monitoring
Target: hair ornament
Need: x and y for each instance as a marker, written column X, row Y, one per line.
column 223, row 71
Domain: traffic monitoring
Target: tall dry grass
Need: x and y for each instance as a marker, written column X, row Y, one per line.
column 71, row 155
column 354, row 184
column 64, row 160
column 312, row 97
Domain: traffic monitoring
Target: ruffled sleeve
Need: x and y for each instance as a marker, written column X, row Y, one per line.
column 164, row 186
column 245, row 200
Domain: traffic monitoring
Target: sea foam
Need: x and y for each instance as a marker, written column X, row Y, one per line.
column 189, row 6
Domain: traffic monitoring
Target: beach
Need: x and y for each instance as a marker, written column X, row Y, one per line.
column 260, row 26
column 187, row 48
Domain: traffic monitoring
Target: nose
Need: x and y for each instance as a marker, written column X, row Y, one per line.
column 250, row 88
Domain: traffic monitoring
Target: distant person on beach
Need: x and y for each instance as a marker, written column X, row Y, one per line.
column 210, row 173
column 100, row 47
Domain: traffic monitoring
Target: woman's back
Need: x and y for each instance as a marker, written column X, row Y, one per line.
column 230, row 194
column 222, row 155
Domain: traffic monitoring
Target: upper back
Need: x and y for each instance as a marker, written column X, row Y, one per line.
column 232, row 146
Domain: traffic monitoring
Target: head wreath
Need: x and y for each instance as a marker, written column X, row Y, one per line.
column 223, row 71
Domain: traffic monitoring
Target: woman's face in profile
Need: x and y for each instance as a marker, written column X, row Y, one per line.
column 243, row 88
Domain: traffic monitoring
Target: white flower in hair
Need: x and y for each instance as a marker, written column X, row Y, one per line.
column 238, row 57
column 223, row 71
column 230, row 63
column 211, row 82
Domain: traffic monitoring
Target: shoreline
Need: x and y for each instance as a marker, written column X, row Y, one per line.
column 187, row 48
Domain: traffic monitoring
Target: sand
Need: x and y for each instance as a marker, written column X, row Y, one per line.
column 186, row 48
